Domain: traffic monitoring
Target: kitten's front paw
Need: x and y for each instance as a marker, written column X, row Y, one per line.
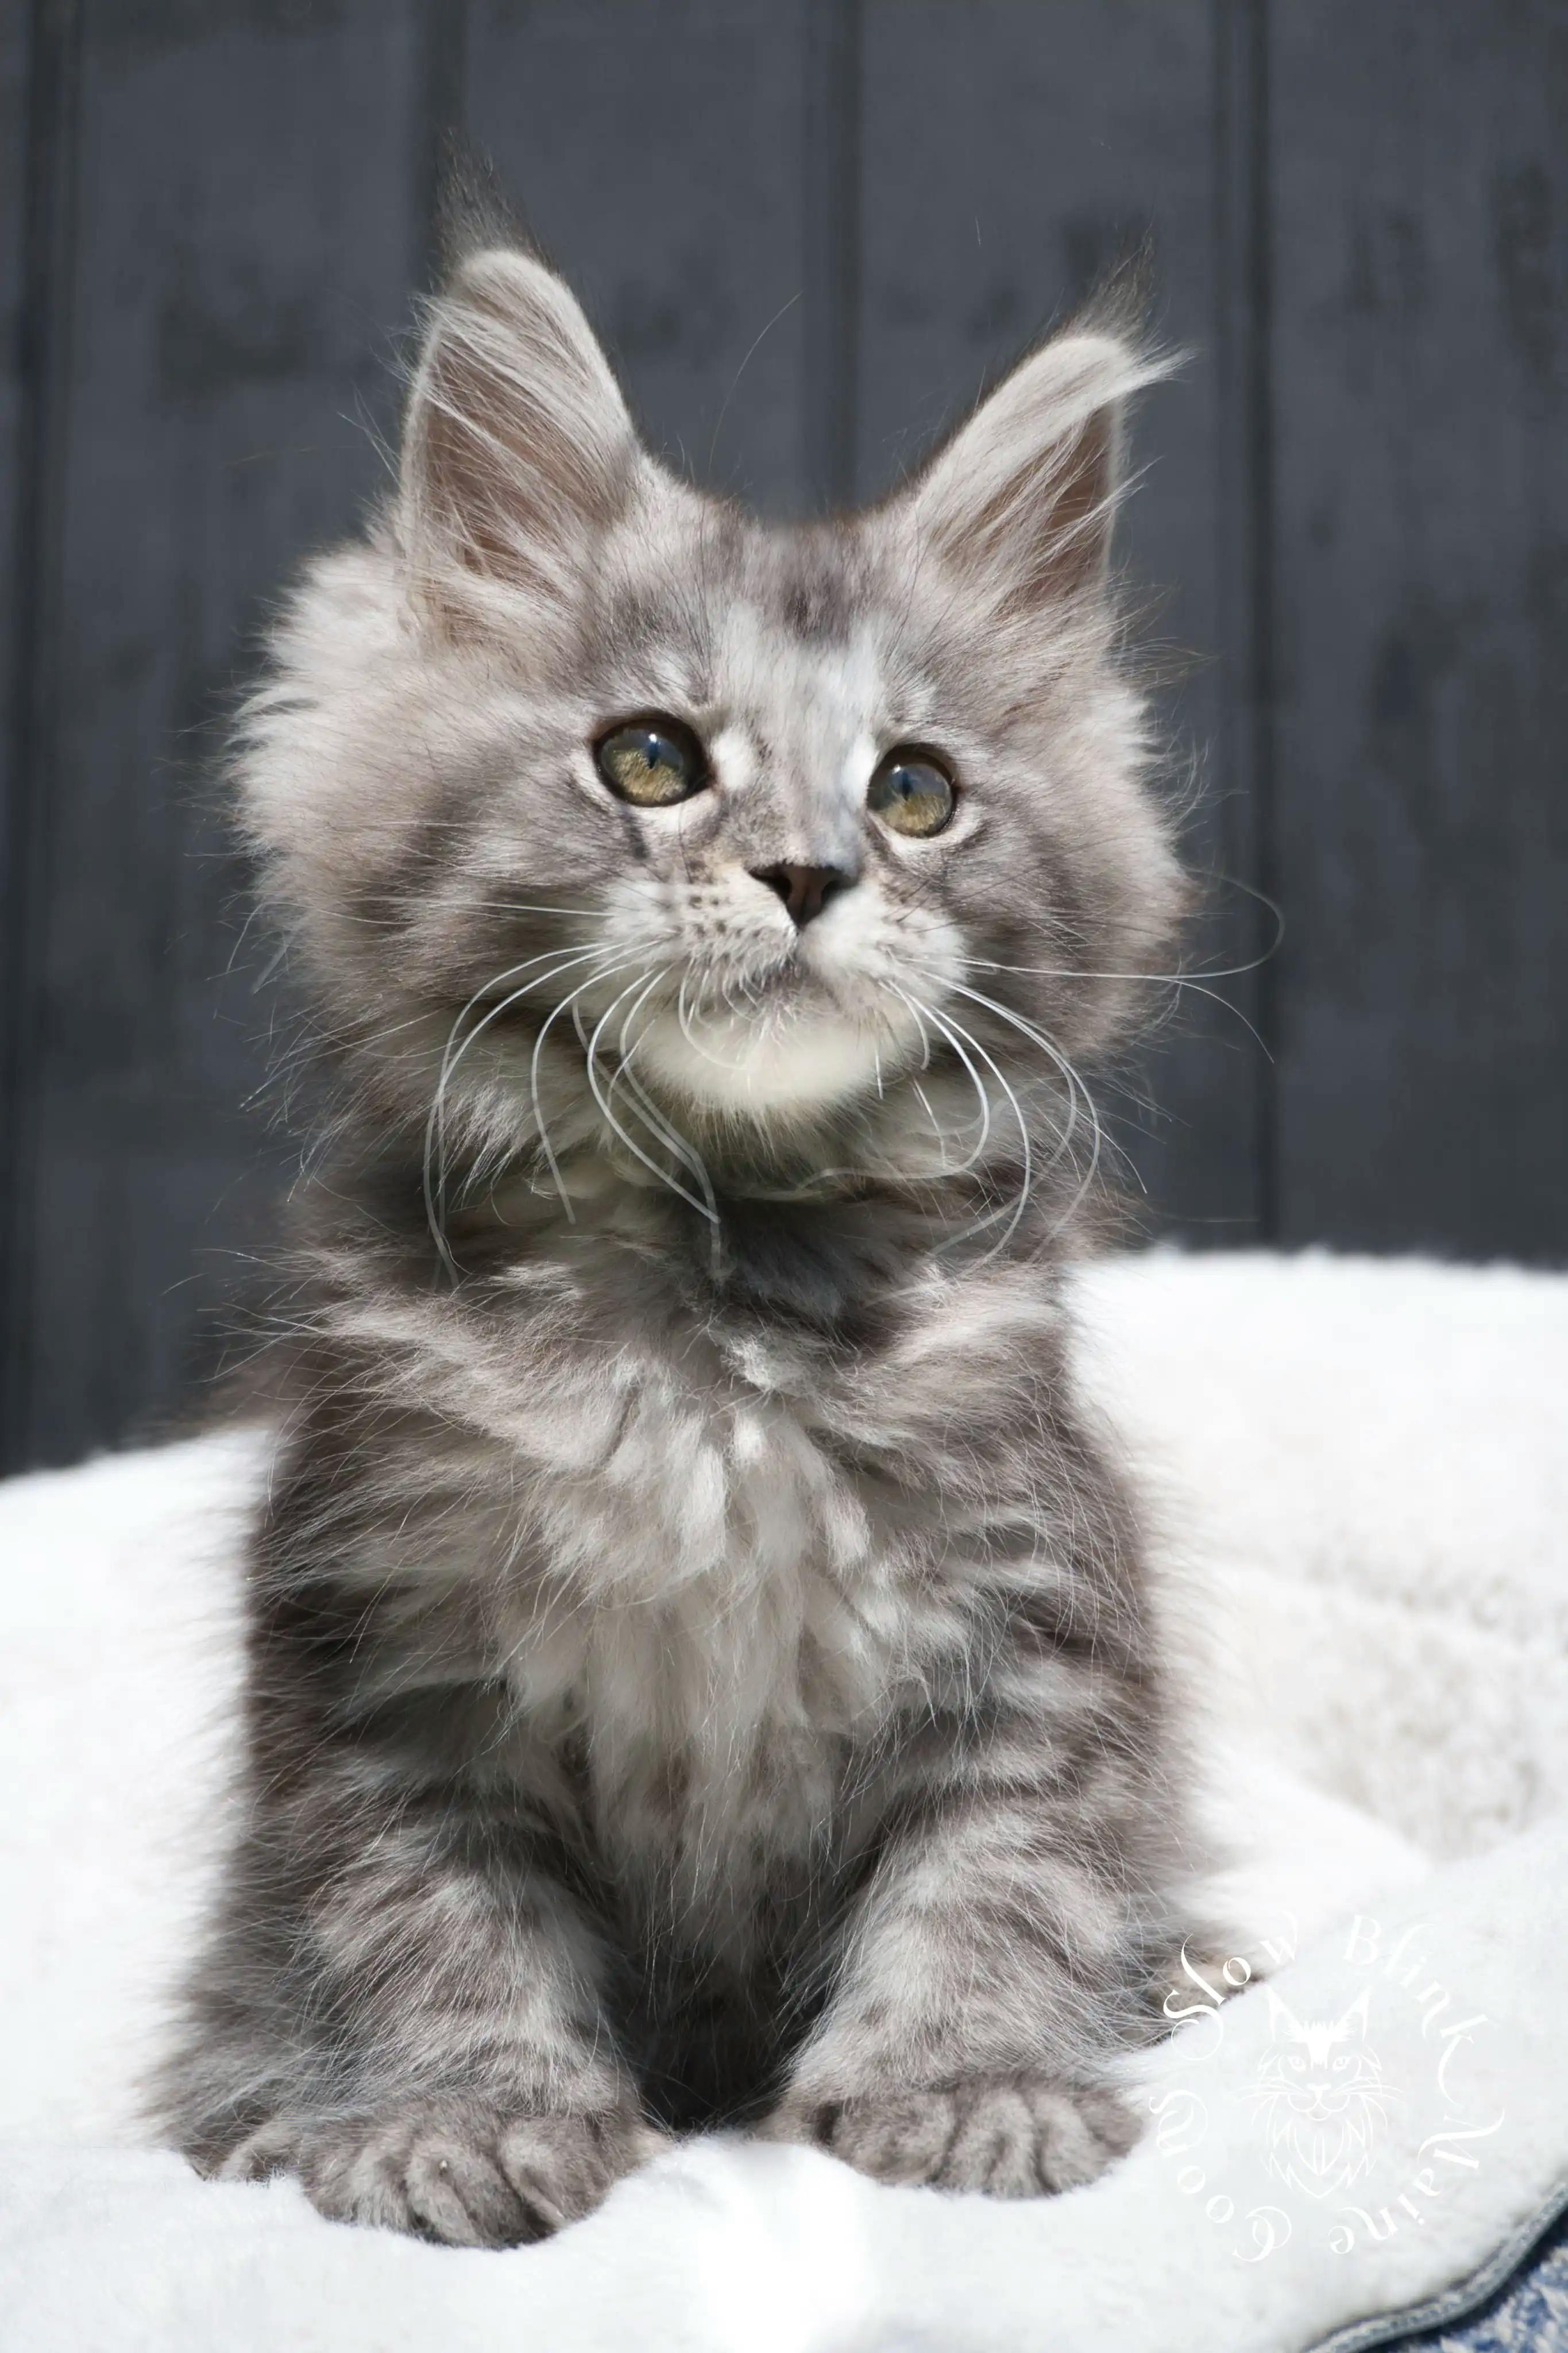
column 1012, row 2135
column 459, row 2170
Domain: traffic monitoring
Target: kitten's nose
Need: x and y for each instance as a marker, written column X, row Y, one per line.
column 804, row 889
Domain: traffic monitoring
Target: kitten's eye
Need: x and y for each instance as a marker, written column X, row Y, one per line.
column 911, row 791
column 652, row 762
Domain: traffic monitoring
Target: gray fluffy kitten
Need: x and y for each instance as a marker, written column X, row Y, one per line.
column 701, row 1664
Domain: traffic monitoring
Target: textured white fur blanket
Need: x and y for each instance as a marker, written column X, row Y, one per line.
column 1364, row 1486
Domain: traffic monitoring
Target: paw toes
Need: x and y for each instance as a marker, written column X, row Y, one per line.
column 1010, row 2137
column 994, row 2148
column 355, row 2175
column 352, row 2182
column 897, row 2138
column 455, row 2194
column 1081, row 2133
column 557, row 2167
column 272, row 2148
column 467, row 2176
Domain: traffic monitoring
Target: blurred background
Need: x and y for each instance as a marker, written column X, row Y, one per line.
column 807, row 229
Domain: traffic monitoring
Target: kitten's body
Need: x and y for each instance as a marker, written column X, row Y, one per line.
column 700, row 1662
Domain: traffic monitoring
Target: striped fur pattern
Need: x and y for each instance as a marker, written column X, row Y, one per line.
column 700, row 1662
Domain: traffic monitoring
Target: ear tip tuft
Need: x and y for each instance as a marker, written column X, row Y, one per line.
column 1087, row 367
column 1121, row 301
column 474, row 212
column 1118, row 316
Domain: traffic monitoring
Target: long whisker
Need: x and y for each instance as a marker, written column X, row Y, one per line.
column 924, row 1099
column 1049, row 1047
column 393, row 900
column 953, row 1030
column 622, row 1075
column 648, row 1112
column 434, row 1132
column 729, row 396
column 685, row 1016
column 920, row 1094
column 607, row 1110
column 1179, row 981
column 937, row 1128
column 1037, row 1036
column 1080, row 972
column 1075, row 1082
column 731, row 1064
column 623, row 1049
column 567, row 1003
column 950, row 1169
column 982, row 1093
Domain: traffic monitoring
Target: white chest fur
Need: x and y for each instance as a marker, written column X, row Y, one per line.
column 721, row 1618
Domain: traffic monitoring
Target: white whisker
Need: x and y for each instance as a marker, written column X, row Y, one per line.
column 704, row 1209
column 982, row 1093
column 1178, row 981
column 653, row 1118
column 435, row 1137
column 1076, row 1085
column 953, row 1030
column 567, row 1003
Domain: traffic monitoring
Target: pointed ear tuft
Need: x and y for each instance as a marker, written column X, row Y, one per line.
column 474, row 213
column 517, row 447
column 1023, row 495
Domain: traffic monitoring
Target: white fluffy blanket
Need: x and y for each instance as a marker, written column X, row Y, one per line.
column 1363, row 1493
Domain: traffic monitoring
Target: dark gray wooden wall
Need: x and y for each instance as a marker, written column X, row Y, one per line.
column 808, row 229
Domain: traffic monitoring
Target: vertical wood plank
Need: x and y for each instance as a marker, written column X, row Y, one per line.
column 39, row 50
column 660, row 154
column 1244, row 420
column 246, row 228
column 1009, row 154
column 1421, row 388
column 17, row 436
column 835, row 109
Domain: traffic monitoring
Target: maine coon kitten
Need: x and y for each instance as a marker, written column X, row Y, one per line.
column 699, row 1660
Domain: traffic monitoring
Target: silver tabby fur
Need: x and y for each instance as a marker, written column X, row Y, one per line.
column 700, row 1662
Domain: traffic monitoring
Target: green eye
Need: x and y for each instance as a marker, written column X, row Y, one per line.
column 652, row 762
column 912, row 792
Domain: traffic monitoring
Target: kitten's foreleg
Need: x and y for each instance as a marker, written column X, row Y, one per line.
column 431, row 2054
column 989, row 1976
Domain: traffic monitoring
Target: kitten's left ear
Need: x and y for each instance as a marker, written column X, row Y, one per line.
column 517, row 446
column 1023, row 496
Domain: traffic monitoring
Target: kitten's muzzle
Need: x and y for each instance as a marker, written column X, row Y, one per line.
column 804, row 889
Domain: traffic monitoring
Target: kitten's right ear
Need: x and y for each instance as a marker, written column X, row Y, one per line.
column 517, row 447
column 1021, row 500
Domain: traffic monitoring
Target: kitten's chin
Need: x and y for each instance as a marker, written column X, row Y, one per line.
column 733, row 1062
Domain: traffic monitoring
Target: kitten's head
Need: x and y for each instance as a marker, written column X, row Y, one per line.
column 626, row 824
